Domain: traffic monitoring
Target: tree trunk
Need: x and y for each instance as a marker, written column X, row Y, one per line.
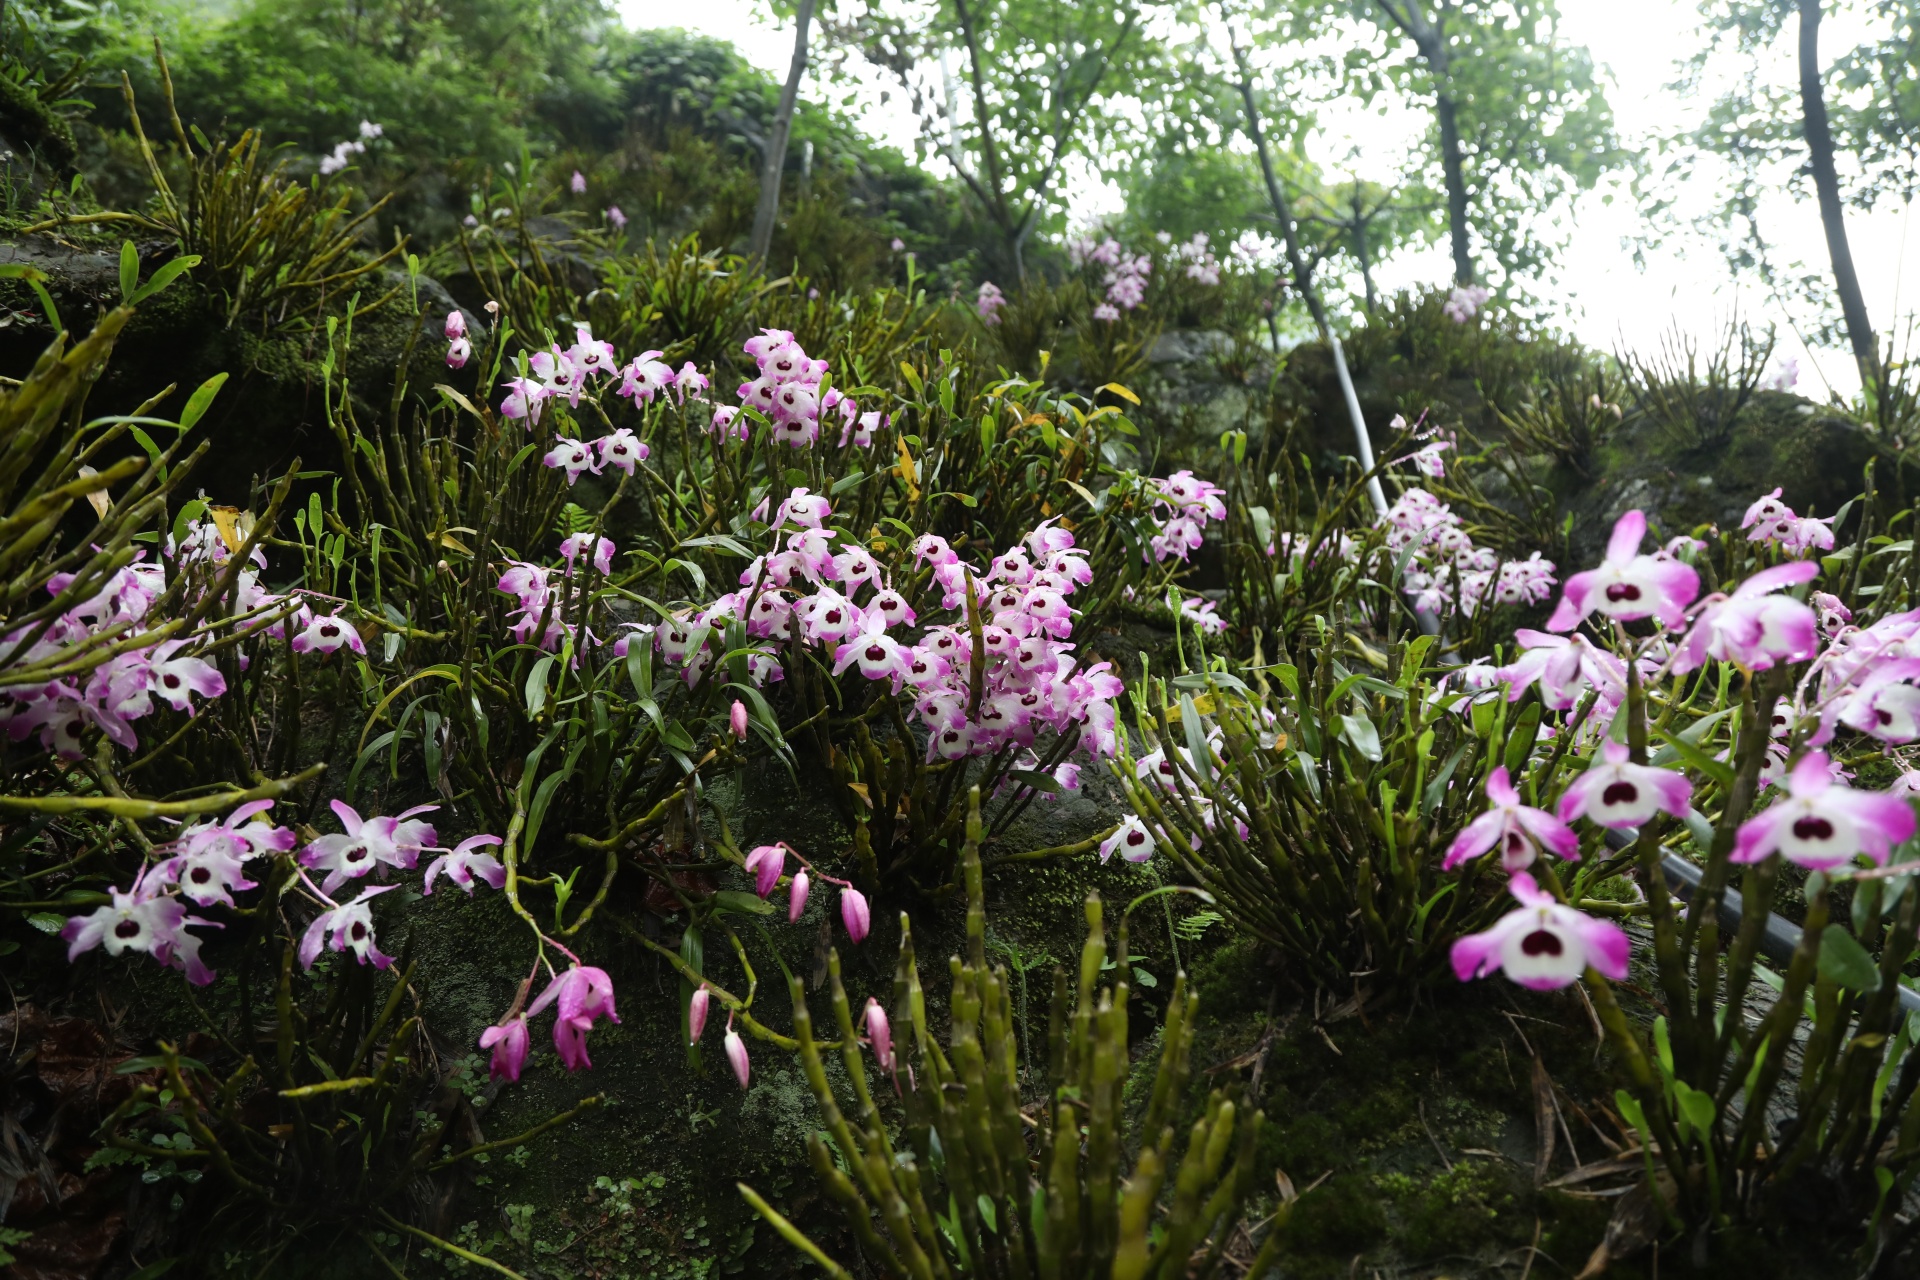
column 1826, row 184
column 1431, row 41
column 774, row 163
column 1360, row 220
column 1303, row 282
column 1451, row 166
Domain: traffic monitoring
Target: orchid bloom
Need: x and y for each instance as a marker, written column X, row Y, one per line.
column 571, row 456
column 140, row 919
column 622, row 450
column 1131, row 840
column 327, row 633
column 1616, row 793
column 601, row 549
column 1823, row 823
column 1515, row 829
column 1628, row 585
column 351, row 926
column 584, row 994
column 368, row 843
column 1543, row 945
column 465, row 861
column 1752, row 627
column 173, row 679
column 510, row 1042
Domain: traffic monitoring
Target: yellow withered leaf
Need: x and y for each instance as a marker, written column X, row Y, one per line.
column 235, row 525
column 1122, row 392
column 98, row 499
column 907, row 470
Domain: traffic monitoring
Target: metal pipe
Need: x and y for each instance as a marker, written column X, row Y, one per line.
column 1779, row 939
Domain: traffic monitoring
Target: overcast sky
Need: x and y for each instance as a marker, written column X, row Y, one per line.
column 1607, row 301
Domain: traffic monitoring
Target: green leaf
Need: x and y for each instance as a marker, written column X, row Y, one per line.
column 1035, row 779
column 536, row 690
column 1520, row 738
column 543, row 796
column 1359, row 731
column 371, row 752
column 1845, row 962
column 1695, row 1106
column 746, row 904
column 165, row 275
column 1699, row 828
column 1700, row 761
column 201, row 400
column 987, row 1215
column 183, row 521
column 1196, row 738
column 129, row 271
column 723, row 542
column 1631, row 1111
column 1437, row 789
column 47, row 922
column 1144, row 978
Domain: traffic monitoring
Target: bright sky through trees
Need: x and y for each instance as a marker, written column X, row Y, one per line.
column 1608, row 299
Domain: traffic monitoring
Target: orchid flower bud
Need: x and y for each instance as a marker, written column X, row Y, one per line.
column 509, row 1041
column 766, row 863
column 738, row 719
column 737, row 1054
column 697, row 1014
column 797, row 896
column 456, row 326
column 854, row 913
column 879, row 1034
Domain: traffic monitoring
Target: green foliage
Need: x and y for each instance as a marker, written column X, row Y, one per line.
column 48, row 449
column 1532, row 120
column 966, row 1191
column 276, row 250
column 1352, row 787
column 1698, row 407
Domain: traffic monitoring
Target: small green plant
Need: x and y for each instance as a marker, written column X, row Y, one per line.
column 277, row 250
column 1349, row 787
column 1698, row 405
column 981, row 1184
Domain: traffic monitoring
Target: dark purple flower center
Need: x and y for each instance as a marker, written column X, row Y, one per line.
column 127, row 929
column 173, row 682
column 1813, row 829
column 1516, row 843
column 357, row 854
column 329, row 630
column 1541, row 942
column 875, row 653
column 200, row 875
column 358, row 931
column 1136, row 838
column 1623, row 591
column 1620, row 793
